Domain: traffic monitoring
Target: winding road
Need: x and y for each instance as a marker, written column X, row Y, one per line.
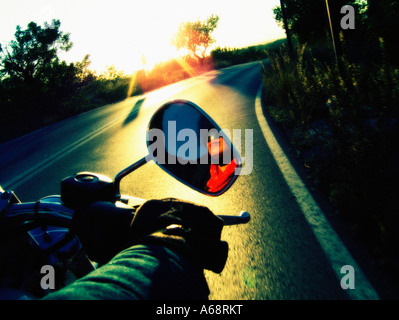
column 287, row 251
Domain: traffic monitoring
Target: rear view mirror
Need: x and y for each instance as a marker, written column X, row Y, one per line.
column 185, row 142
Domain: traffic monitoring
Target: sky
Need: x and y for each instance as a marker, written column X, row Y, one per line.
column 121, row 32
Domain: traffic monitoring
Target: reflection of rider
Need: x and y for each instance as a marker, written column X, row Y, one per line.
column 192, row 168
column 220, row 173
column 163, row 250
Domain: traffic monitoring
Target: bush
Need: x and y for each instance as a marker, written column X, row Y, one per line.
column 343, row 120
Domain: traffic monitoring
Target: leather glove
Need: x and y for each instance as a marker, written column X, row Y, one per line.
column 191, row 229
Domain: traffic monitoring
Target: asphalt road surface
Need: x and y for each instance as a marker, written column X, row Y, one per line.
column 280, row 254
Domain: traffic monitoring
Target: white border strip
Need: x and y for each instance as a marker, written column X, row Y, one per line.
column 330, row 242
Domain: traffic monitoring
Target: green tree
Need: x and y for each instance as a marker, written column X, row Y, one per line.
column 33, row 50
column 283, row 20
column 36, row 85
column 83, row 72
column 111, row 73
column 308, row 19
column 376, row 26
column 196, row 36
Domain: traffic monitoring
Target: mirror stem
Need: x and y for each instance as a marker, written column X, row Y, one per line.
column 124, row 173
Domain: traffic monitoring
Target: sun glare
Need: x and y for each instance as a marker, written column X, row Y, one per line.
column 122, row 32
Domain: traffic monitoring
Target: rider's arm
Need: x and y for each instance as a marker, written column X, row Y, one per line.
column 169, row 244
column 147, row 272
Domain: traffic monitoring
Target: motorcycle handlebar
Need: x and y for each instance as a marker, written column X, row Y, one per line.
column 51, row 211
column 47, row 212
column 244, row 217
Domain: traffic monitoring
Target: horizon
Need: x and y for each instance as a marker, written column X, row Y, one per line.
column 121, row 34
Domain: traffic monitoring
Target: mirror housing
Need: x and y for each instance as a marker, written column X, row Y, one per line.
column 185, row 142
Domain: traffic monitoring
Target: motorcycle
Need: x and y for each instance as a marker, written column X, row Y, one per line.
column 39, row 237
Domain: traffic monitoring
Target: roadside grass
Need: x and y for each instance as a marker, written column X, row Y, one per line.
column 343, row 122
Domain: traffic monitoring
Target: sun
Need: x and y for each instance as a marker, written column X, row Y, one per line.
column 147, row 33
column 135, row 35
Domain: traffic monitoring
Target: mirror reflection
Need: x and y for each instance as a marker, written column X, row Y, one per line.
column 188, row 144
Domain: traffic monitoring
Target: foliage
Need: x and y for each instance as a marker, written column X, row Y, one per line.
column 308, row 19
column 33, row 80
column 224, row 57
column 346, row 134
column 111, row 74
column 344, row 123
column 196, row 36
column 38, row 89
column 32, row 51
column 176, row 70
column 83, row 72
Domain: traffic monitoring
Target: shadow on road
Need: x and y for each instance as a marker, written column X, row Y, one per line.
column 133, row 114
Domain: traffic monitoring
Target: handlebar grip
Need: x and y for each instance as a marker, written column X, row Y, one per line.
column 244, row 217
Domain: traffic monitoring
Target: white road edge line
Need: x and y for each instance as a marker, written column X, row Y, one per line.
column 330, row 242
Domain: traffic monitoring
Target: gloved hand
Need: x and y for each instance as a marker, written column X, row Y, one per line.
column 191, row 229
